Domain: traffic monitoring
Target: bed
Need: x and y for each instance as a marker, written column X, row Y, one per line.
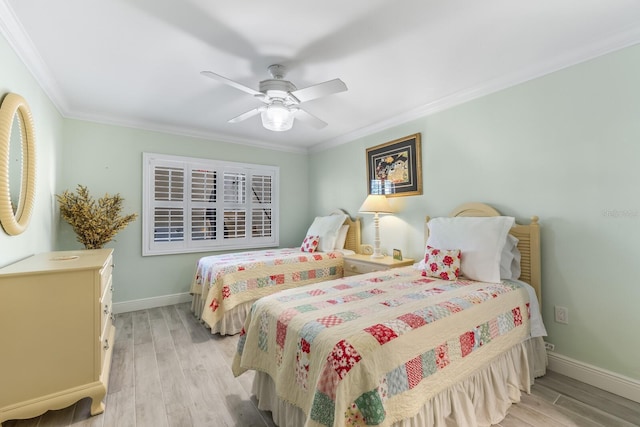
column 224, row 286
column 403, row 347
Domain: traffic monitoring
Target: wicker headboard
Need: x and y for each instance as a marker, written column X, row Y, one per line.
column 354, row 238
column 528, row 242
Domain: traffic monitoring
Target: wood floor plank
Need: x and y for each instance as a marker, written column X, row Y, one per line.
column 197, row 331
column 540, row 404
column 625, row 408
column 149, row 407
column 206, row 396
column 29, row 422
column 236, row 400
column 202, row 388
column 82, row 415
column 591, row 397
column 234, row 397
column 57, row 418
column 124, row 326
column 246, row 379
column 544, row 392
column 172, row 318
column 120, row 408
column 175, row 390
column 141, row 327
column 533, row 417
column 593, row 413
column 179, row 415
column 511, row 421
column 122, row 359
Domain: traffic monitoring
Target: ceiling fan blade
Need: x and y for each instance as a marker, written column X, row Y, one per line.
column 321, row 89
column 246, row 115
column 231, row 83
column 310, row 119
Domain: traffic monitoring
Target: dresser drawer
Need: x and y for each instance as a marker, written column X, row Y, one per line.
column 105, row 339
column 352, row 267
column 106, row 305
column 361, row 264
column 105, row 274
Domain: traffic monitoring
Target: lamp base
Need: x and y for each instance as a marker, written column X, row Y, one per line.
column 377, row 256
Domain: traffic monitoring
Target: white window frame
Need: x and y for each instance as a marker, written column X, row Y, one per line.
column 219, row 242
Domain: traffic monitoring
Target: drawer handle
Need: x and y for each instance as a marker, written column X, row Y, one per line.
column 113, row 317
column 106, row 309
column 106, row 345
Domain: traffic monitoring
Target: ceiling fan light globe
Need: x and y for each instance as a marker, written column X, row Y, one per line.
column 277, row 117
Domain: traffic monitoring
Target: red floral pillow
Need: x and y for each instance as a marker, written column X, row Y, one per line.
column 310, row 243
column 442, row 263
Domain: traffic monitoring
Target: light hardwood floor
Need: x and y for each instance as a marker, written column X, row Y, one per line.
column 168, row 370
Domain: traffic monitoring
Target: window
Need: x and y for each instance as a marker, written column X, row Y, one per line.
column 195, row 205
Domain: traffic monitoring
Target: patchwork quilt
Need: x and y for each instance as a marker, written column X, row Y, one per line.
column 231, row 279
column 373, row 349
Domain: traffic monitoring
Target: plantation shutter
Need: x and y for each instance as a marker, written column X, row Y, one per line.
column 192, row 205
column 235, row 205
column 168, row 207
column 204, row 200
column 261, row 211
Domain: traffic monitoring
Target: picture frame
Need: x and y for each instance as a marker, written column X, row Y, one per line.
column 397, row 254
column 395, row 168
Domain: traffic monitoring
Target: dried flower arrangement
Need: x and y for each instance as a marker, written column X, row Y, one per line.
column 95, row 223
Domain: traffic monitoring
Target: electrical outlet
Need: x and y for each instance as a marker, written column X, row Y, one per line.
column 562, row 315
column 549, row 346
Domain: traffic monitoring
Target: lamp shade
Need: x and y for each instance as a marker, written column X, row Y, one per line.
column 376, row 203
column 277, row 117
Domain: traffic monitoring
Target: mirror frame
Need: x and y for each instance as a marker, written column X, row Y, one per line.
column 16, row 222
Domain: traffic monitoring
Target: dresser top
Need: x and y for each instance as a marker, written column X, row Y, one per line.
column 59, row 260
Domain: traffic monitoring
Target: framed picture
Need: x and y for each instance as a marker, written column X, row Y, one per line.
column 395, row 168
column 397, row 254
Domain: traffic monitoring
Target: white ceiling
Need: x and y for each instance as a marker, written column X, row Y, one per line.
column 137, row 62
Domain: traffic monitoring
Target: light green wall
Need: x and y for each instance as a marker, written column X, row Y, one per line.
column 40, row 235
column 565, row 147
column 108, row 159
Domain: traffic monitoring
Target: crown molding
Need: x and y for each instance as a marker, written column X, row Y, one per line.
column 24, row 48
column 602, row 47
column 182, row 131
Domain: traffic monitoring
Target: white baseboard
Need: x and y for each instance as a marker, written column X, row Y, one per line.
column 597, row 377
column 145, row 303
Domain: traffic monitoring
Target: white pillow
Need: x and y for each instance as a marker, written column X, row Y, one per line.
column 515, row 264
column 508, row 258
column 480, row 239
column 327, row 228
column 342, row 237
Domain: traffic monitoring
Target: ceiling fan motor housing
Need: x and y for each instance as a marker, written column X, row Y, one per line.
column 275, row 88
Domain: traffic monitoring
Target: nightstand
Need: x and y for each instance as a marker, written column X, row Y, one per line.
column 360, row 264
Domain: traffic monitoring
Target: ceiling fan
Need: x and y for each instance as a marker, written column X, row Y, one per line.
column 282, row 99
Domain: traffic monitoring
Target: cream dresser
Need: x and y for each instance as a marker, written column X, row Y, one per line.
column 56, row 332
column 360, row 264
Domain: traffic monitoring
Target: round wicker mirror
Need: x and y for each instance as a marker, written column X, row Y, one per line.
column 15, row 216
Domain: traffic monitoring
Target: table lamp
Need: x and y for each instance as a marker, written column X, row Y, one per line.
column 376, row 204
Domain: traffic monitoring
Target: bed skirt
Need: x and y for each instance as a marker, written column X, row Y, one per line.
column 482, row 399
column 230, row 324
